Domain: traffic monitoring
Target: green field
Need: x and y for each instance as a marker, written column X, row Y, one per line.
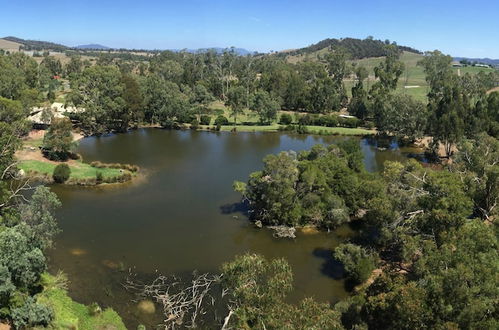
column 78, row 171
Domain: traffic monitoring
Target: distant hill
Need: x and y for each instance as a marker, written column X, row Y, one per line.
column 489, row 61
column 358, row 48
column 38, row 44
column 10, row 46
column 92, row 46
column 218, row 50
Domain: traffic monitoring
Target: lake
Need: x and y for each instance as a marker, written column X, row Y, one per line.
column 181, row 215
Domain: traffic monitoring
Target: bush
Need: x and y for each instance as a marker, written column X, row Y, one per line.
column 349, row 122
column 194, row 124
column 61, row 173
column 98, row 177
column 221, row 120
column 358, row 263
column 205, row 120
column 285, row 119
column 185, row 117
column 306, row 120
column 302, row 129
column 31, row 314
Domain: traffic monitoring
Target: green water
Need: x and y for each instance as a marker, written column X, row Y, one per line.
column 181, row 216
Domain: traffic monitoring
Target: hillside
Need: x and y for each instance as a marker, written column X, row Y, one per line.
column 37, row 44
column 10, row 46
column 358, row 48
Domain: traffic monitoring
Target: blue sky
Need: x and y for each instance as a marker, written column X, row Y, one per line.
column 459, row 28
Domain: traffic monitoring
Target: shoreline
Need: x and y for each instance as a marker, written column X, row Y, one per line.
column 34, row 165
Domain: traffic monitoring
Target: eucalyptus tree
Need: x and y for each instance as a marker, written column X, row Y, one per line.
column 236, row 101
column 265, row 106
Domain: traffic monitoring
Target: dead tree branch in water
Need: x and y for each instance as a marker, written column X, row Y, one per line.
column 183, row 303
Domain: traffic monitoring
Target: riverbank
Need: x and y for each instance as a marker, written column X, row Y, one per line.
column 33, row 164
column 316, row 130
column 68, row 314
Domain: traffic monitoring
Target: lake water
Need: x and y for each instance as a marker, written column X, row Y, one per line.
column 182, row 215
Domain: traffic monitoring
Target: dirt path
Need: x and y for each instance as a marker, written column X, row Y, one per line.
column 496, row 89
column 29, row 150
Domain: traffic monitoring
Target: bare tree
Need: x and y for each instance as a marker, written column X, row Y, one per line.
column 183, row 303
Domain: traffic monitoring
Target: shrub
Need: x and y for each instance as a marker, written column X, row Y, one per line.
column 194, row 124
column 205, row 120
column 98, row 177
column 31, row 314
column 221, row 120
column 61, row 173
column 349, row 122
column 167, row 123
column 302, row 129
column 358, row 263
column 94, row 309
column 368, row 124
column 185, row 117
column 306, row 120
column 285, row 119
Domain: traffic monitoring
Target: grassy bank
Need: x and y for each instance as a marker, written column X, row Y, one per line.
column 322, row 130
column 248, row 121
column 79, row 170
column 81, row 173
column 69, row 314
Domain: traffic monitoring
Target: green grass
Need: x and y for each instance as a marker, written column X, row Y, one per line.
column 311, row 129
column 78, row 171
column 248, row 121
column 69, row 314
column 473, row 70
column 339, row 130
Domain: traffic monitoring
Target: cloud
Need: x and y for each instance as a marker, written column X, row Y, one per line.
column 254, row 19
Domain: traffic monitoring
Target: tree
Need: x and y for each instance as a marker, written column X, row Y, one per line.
column 358, row 263
column 202, row 97
column 58, row 142
column 477, row 164
column 258, row 288
column 387, row 73
column 338, row 69
column 358, row 104
column 53, row 65
column 447, row 101
column 74, row 66
column 61, row 173
column 236, row 100
column 164, row 101
column 404, row 117
column 133, row 111
column 99, row 90
column 266, row 107
column 12, row 127
column 322, row 187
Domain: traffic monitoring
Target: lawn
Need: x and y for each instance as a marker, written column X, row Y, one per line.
column 248, row 121
column 79, row 170
column 311, row 129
